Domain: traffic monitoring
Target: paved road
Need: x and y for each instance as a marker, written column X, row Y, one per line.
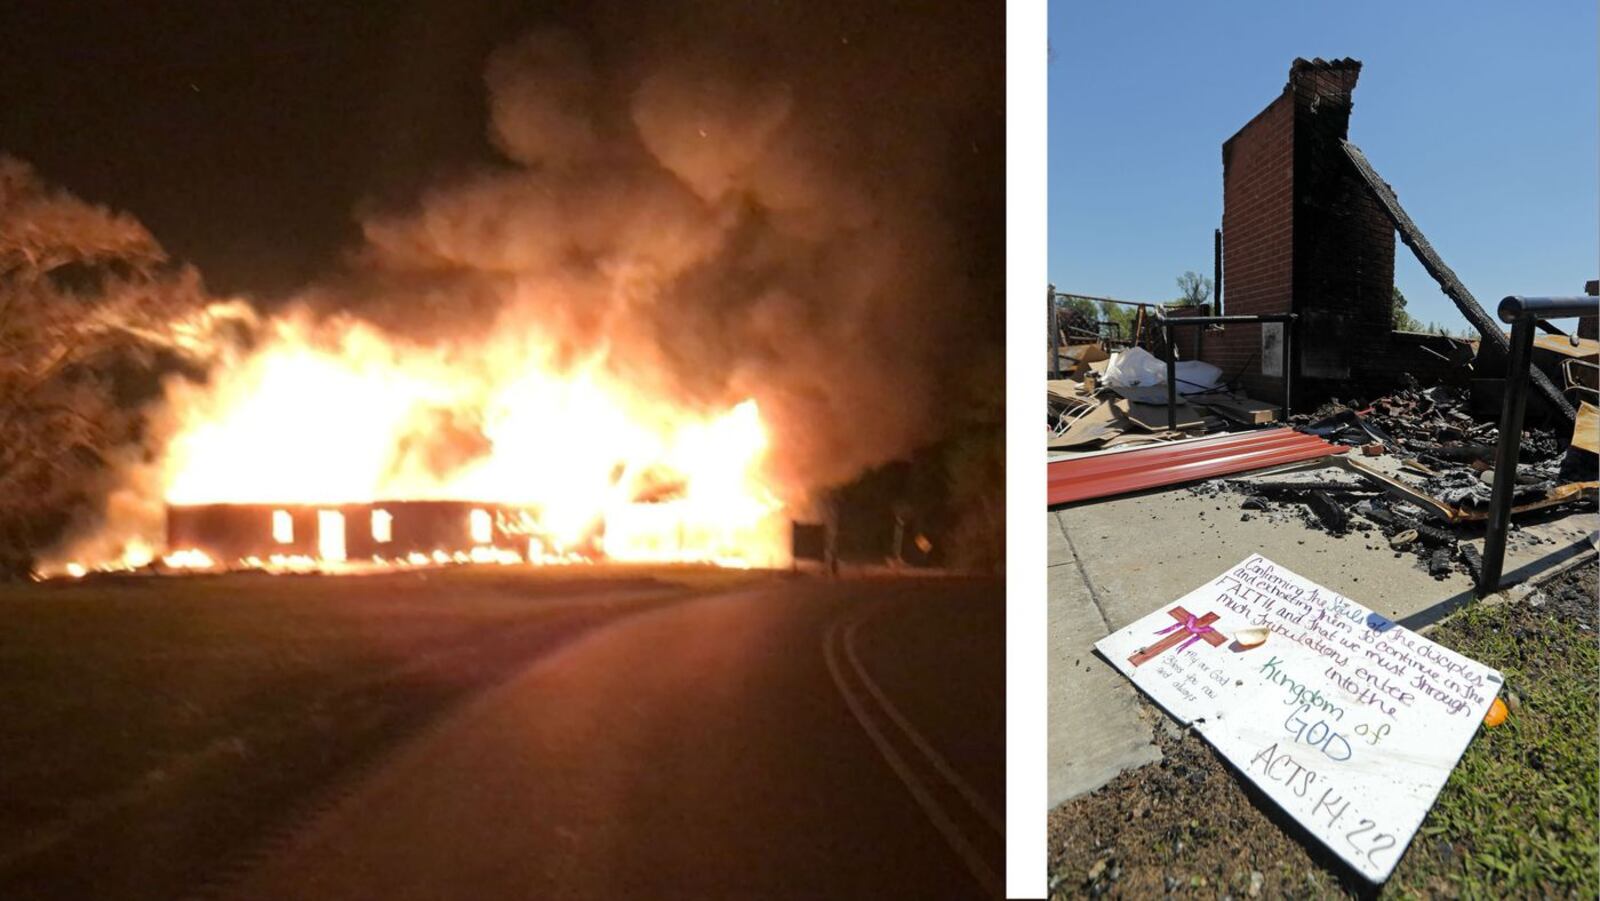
column 796, row 739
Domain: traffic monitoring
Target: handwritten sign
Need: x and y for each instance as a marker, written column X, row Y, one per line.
column 1348, row 721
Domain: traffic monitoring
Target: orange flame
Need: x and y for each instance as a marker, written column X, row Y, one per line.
column 343, row 413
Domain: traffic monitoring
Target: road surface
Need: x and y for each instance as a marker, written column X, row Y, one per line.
column 797, row 738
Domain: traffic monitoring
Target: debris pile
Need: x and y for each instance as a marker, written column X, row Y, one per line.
column 1427, row 494
column 1121, row 398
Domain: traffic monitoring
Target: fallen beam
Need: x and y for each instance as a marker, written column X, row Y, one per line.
column 1429, row 504
column 1448, row 282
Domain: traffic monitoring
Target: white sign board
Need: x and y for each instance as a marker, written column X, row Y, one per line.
column 1348, row 721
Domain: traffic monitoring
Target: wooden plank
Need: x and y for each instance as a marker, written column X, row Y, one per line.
column 1586, row 434
column 1246, row 410
column 1092, row 428
column 1153, row 418
column 1070, row 390
column 1444, row 275
column 1561, row 494
column 1427, row 502
column 1148, row 394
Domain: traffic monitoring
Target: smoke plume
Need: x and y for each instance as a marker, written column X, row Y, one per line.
column 728, row 207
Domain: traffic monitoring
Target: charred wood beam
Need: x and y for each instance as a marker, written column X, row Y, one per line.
column 1296, row 489
column 1448, row 282
column 1334, row 518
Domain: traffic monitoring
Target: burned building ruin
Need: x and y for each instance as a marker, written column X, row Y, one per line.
column 1308, row 228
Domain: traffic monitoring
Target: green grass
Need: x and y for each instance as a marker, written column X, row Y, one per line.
column 1518, row 816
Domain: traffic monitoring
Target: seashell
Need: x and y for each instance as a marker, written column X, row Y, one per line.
column 1252, row 637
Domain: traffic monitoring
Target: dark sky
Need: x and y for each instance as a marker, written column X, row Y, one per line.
column 247, row 134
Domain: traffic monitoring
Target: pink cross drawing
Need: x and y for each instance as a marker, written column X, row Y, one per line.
column 1188, row 629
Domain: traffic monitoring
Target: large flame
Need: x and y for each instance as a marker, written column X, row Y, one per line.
column 340, row 412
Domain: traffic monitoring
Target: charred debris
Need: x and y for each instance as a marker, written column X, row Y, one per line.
column 1304, row 341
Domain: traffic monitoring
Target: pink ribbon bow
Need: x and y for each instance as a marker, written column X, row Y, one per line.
column 1192, row 626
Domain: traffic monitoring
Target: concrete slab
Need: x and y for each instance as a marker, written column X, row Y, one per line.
column 1144, row 550
column 1057, row 551
column 1539, row 543
column 1095, row 728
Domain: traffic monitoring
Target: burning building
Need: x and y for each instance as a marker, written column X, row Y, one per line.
column 693, row 276
column 333, row 444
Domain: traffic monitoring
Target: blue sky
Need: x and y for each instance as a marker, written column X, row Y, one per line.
column 1485, row 117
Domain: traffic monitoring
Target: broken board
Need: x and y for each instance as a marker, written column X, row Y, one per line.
column 1145, row 394
column 1348, row 721
column 1153, row 418
column 1245, row 410
column 1586, row 433
column 1092, row 427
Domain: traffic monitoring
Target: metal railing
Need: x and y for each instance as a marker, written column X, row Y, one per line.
column 1168, row 323
column 1148, row 311
column 1524, row 314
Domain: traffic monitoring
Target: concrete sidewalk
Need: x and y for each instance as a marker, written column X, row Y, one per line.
column 1115, row 560
column 1095, row 728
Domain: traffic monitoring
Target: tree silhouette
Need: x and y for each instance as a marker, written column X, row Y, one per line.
column 87, row 302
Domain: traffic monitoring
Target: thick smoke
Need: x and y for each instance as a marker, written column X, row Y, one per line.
column 779, row 209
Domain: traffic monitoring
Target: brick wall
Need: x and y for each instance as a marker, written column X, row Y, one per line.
column 1301, row 234
column 1188, row 338
column 1257, row 240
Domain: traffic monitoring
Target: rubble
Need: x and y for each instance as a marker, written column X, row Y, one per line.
column 1466, row 488
column 1333, row 517
column 1444, row 453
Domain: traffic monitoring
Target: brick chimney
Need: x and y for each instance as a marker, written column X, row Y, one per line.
column 1301, row 234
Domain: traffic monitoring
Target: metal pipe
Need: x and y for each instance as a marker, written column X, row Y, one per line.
column 1523, row 313
column 1172, row 374
column 1126, row 303
column 1216, row 271
column 1225, row 320
column 1546, row 307
column 1513, row 407
column 1054, row 335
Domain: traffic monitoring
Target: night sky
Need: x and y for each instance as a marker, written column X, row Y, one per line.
column 248, row 136
column 245, row 134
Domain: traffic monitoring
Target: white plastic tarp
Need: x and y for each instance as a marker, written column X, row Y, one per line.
column 1138, row 368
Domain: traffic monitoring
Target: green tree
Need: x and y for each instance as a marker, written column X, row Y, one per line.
column 1195, row 289
column 1123, row 316
column 1403, row 321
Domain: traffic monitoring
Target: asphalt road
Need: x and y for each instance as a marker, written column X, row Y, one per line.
column 799, row 738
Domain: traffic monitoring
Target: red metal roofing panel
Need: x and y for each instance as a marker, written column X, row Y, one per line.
column 1105, row 475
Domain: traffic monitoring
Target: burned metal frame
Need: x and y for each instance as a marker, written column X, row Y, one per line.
column 1053, row 320
column 1523, row 314
column 1053, row 335
column 1169, row 322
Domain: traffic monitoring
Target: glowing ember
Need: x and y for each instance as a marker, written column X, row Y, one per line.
column 188, row 558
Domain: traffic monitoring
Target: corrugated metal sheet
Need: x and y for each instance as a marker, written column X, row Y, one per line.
column 1109, row 474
